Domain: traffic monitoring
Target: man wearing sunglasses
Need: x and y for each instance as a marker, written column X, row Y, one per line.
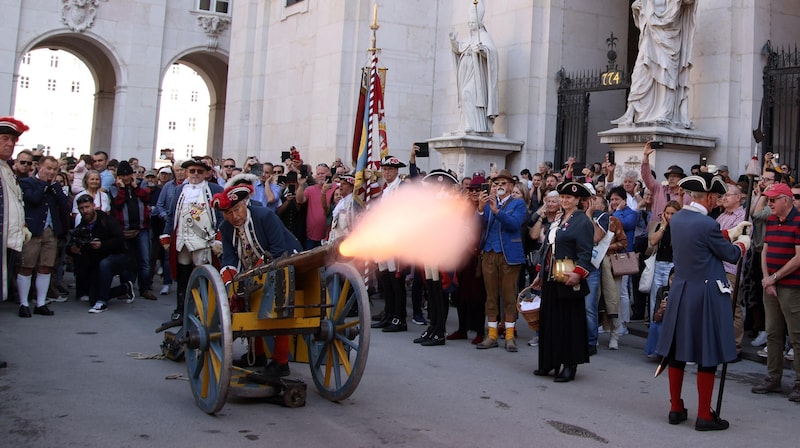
column 191, row 226
column 23, row 166
column 780, row 264
column 227, row 169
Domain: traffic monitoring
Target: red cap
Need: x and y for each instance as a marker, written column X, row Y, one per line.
column 776, row 190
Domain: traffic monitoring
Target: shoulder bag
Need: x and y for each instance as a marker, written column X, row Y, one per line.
column 624, row 263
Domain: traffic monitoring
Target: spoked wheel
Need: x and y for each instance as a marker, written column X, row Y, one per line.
column 338, row 353
column 207, row 328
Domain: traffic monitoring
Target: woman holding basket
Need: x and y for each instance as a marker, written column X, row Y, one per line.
column 565, row 263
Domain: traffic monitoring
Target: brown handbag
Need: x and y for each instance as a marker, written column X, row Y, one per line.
column 624, row 263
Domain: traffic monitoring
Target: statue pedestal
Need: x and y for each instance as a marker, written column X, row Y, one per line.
column 682, row 147
column 466, row 153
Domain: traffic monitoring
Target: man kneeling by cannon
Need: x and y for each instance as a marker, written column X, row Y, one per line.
column 252, row 235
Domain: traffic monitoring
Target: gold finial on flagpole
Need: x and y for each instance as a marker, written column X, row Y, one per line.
column 374, row 27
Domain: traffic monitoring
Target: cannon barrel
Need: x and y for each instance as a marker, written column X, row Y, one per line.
column 303, row 261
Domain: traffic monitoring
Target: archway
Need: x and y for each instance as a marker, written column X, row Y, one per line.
column 105, row 71
column 212, row 68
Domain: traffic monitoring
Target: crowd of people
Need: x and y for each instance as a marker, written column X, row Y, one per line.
column 558, row 230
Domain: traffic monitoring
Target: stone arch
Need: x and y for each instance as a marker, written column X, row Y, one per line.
column 213, row 68
column 106, row 70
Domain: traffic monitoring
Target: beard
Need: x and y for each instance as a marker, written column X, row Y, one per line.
column 501, row 191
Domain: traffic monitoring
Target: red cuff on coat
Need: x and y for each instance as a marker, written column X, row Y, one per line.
column 725, row 234
column 581, row 271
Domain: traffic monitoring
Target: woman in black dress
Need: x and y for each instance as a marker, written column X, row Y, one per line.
column 562, row 318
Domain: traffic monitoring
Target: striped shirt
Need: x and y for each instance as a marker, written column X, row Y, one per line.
column 780, row 238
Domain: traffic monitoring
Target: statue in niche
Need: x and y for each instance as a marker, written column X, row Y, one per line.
column 476, row 70
column 660, row 80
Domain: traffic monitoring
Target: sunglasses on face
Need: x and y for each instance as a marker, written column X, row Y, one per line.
column 25, row 162
column 772, row 200
column 229, row 166
column 195, row 170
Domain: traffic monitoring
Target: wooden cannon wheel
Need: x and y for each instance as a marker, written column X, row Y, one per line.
column 338, row 352
column 208, row 338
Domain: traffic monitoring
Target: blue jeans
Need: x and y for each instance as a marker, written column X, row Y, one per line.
column 103, row 273
column 139, row 250
column 592, row 300
column 660, row 278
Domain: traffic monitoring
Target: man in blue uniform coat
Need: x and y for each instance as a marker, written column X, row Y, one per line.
column 698, row 322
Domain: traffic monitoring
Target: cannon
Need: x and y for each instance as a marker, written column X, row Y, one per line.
column 311, row 294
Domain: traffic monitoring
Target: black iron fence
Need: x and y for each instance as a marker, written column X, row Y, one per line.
column 781, row 114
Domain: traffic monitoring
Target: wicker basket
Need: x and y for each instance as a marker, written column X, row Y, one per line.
column 530, row 316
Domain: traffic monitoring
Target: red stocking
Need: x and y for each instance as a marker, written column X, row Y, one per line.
column 675, row 386
column 705, row 387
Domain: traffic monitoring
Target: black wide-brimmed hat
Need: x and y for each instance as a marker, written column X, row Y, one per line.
column 704, row 183
column 573, row 188
column 675, row 169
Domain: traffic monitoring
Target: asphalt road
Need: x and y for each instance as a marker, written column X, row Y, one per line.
column 71, row 382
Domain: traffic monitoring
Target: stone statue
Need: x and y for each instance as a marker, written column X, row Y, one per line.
column 660, row 80
column 476, row 69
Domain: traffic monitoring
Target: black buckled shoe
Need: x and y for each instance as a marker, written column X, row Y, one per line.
column 275, row 370
column 396, row 326
column 424, row 336
column 436, row 339
column 177, row 315
column 676, row 417
column 715, row 424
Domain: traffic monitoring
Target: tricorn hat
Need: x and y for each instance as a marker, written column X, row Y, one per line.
column 704, row 183
column 392, row 161
column 10, row 125
column 231, row 196
column 196, row 161
column 441, row 177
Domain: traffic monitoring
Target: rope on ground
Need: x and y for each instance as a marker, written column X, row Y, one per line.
column 137, row 355
column 176, row 376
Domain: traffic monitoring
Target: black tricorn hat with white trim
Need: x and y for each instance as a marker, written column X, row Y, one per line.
column 704, row 183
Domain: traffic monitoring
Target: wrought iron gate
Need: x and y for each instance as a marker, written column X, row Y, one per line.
column 574, row 90
column 781, row 113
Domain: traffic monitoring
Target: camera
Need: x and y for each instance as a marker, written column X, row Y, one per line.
column 292, row 188
column 81, row 236
column 657, row 145
column 423, row 151
column 328, row 179
column 775, row 156
column 487, row 188
column 285, row 155
column 610, row 157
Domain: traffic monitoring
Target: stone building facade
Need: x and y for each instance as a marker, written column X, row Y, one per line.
column 283, row 75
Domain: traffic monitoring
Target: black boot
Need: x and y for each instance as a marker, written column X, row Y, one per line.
column 566, row 375
column 184, row 271
column 544, row 371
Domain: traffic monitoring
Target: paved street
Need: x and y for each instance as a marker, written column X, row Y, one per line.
column 70, row 382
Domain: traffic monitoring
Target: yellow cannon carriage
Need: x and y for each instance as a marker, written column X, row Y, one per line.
column 311, row 295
